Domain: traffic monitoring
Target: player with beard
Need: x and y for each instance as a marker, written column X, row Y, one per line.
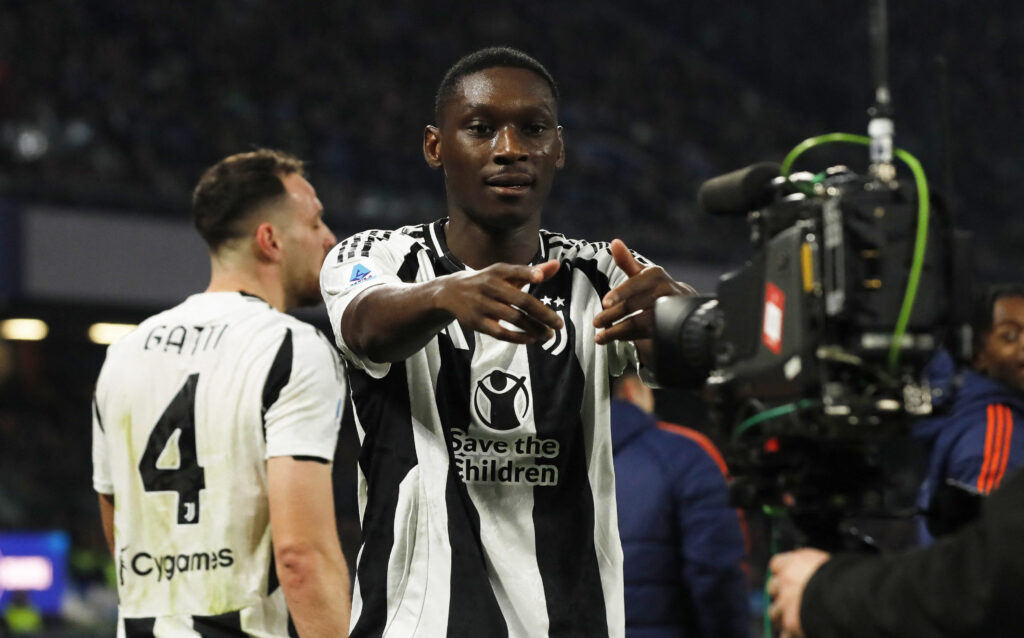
column 215, row 424
column 480, row 348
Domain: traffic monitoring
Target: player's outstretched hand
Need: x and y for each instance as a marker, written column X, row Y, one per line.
column 790, row 573
column 489, row 300
column 629, row 307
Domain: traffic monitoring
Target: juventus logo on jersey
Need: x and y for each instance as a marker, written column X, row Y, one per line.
column 501, row 400
column 556, row 344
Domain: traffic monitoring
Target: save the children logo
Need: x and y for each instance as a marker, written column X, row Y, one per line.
column 501, row 400
column 527, row 460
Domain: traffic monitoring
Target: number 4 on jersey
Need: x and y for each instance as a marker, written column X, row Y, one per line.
column 188, row 477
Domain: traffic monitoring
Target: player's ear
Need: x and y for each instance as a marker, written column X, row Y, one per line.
column 560, row 162
column 432, row 146
column 267, row 242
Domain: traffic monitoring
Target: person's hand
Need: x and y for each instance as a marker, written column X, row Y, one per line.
column 485, row 299
column 790, row 573
column 629, row 307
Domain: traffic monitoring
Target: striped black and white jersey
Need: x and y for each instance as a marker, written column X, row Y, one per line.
column 486, row 483
column 188, row 408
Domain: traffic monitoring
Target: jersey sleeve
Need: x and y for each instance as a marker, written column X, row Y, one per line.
column 981, row 457
column 357, row 264
column 101, row 475
column 306, row 415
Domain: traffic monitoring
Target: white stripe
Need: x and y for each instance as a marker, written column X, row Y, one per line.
column 598, row 445
column 435, row 240
column 408, row 567
column 361, row 498
column 357, row 594
column 454, row 332
column 267, row 619
column 174, row 627
column 421, row 519
column 360, row 477
column 506, row 512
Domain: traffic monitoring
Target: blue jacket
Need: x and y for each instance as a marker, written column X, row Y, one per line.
column 977, row 442
column 682, row 541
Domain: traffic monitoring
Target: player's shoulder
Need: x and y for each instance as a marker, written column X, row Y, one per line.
column 558, row 246
column 565, row 249
column 146, row 328
column 361, row 243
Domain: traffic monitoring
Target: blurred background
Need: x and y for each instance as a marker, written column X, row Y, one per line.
column 111, row 109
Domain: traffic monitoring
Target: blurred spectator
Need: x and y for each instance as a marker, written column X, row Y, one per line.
column 977, row 442
column 682, row 543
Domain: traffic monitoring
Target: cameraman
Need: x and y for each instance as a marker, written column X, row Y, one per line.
column 973, row 446
column 967, row 584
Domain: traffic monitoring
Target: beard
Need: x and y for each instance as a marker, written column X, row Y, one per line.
column 309, row 297
column 304, row 291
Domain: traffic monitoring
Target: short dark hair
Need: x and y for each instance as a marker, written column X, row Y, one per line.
column 481, row 60
column 236, row 186
column 984, row 308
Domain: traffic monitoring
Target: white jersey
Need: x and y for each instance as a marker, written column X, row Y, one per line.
column 486, row 480
column 188, row 408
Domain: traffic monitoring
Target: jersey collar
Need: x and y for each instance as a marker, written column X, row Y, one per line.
column 439, row 241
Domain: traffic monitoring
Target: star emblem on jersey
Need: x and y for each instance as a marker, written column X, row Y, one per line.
column 360, row 273
column 501, row 400
column 547, row 301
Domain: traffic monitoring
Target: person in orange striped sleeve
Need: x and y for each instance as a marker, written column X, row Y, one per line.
column 981, row 438
column 683, row 544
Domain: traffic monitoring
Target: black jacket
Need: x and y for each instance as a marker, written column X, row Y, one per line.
column 969, row 584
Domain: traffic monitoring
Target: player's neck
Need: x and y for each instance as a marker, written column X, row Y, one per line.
column 263, row 282
column 479, row 247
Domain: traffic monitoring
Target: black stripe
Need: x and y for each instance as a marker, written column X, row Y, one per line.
column 314, row 459
column 342, row 256
column 474, row 609
column 278, row 376
column 227, row 625
column 252, row 297
column 139, row 627
column 370, row 240
column 598, row 279
column 446, row 261
column 388, row 453
column 410, row 265
column 563, row 515
column 272, row 581
column 96, row 413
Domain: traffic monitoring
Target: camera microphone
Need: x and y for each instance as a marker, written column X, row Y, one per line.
column 739, row 192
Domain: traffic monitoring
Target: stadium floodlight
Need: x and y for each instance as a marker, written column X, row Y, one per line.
column 107, row 333
column 23, row 329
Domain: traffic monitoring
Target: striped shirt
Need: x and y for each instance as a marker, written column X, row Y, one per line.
column 486, row 485
column 188, row 408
